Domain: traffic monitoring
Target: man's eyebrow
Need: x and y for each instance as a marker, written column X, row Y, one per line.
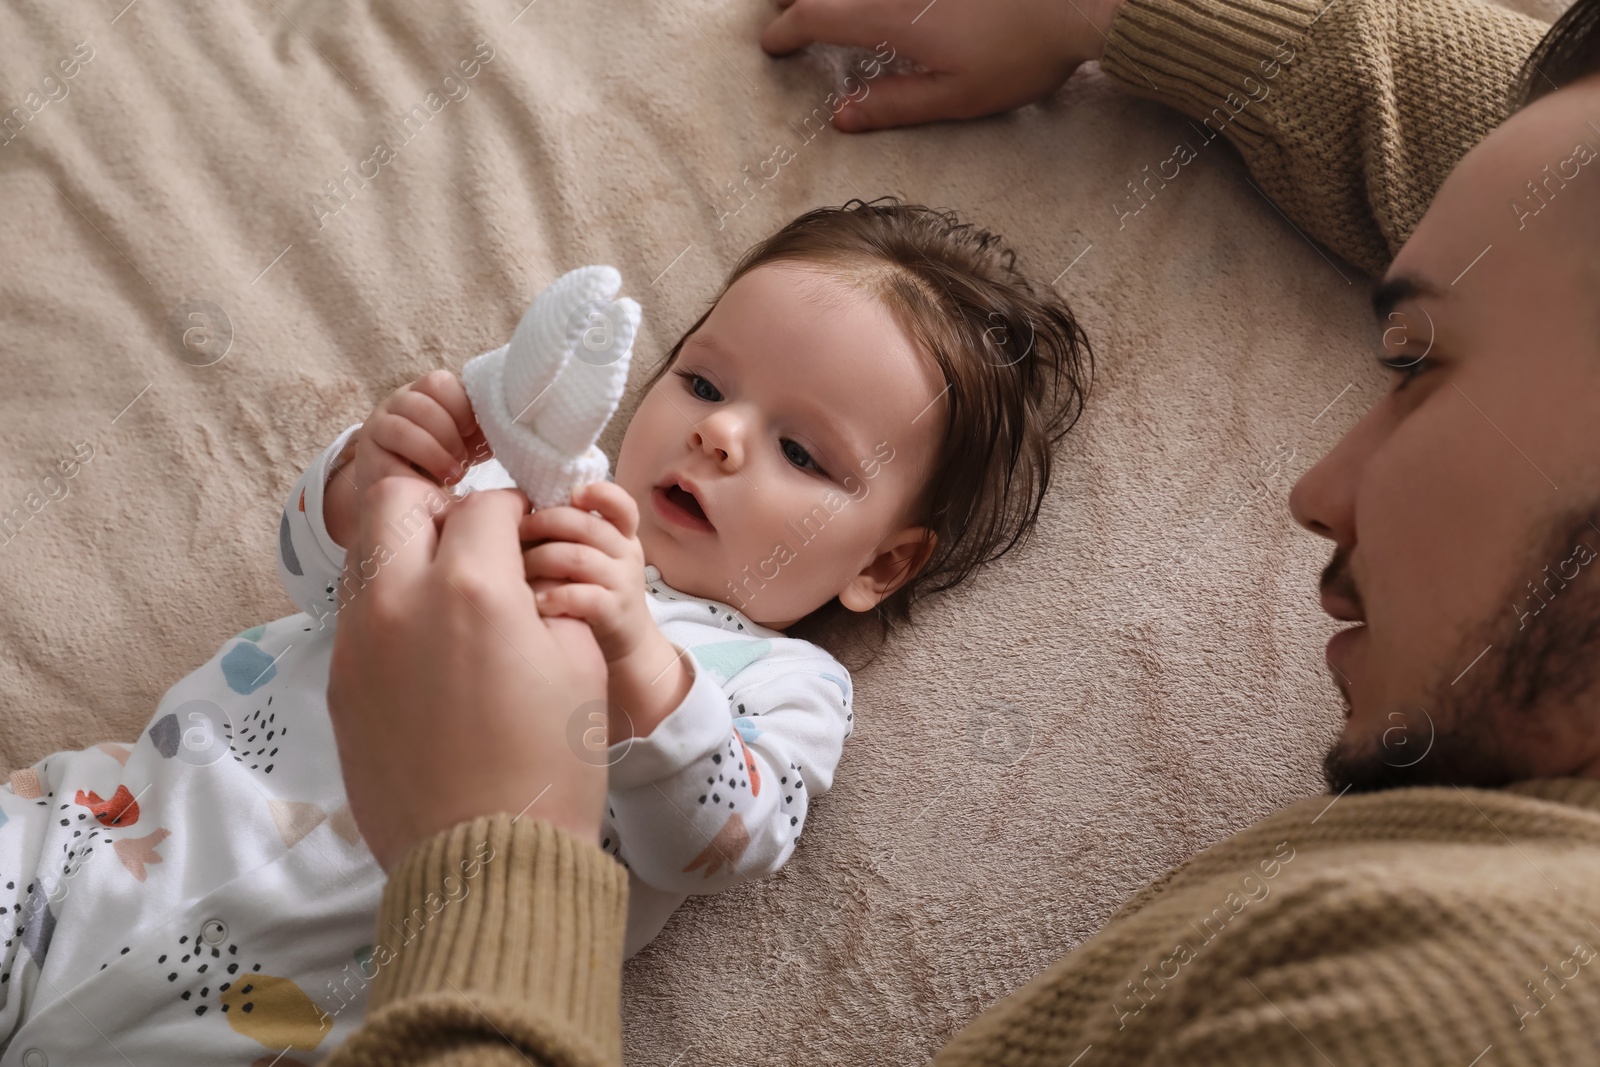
column 1390, row 292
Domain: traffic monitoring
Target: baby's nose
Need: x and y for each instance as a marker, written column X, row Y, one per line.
column 712, row 441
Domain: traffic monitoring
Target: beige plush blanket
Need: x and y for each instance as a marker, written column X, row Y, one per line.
column 208, row 267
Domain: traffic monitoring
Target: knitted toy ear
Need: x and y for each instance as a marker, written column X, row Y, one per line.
column 543, row 399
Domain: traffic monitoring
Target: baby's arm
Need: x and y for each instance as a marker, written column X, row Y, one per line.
column 310, row 561
column 591, row 567
column 424, row 429
column 718, row 793
column 709, row 783
column 418, row 428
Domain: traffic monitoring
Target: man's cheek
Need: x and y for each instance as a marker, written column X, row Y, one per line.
column 1432, row 544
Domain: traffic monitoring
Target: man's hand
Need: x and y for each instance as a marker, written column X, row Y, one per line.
column 450, row 696
column 425, row 429
column 592, row 568
column 980, row 56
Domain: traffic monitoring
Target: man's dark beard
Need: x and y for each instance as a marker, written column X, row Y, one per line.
column 1532, row 669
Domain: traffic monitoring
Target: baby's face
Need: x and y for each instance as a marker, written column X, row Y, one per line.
column 777, row 464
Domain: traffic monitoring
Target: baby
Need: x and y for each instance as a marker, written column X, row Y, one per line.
column 865, row 414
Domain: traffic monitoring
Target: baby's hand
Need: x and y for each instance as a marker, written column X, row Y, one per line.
column 425, row 428
column 591, row 567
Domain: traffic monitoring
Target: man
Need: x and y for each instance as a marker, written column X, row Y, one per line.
column 1454, row 924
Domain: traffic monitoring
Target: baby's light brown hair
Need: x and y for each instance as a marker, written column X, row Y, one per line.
column 1017, row 365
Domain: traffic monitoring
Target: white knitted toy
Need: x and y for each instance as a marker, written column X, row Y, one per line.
column 543, row 399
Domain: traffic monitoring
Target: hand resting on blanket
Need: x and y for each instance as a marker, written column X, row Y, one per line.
column 978, row 57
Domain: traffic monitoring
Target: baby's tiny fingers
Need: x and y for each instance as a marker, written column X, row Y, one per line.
column 573, row 524
column 615, row 504
column 446, row 388
column 574, row 599
column 568, row 561
column 431, row 415
column 399, row 435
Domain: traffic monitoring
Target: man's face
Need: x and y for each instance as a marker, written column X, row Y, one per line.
column 1465, row 506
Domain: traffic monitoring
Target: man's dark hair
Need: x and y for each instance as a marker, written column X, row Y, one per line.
column 1570, row 50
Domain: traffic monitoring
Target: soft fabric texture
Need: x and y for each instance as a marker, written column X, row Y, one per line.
column 149, row 882
column 1420, row 927
column 543, row 398
column 542, row 925
column 1141, row 679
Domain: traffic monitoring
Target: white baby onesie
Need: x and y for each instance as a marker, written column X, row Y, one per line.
column 717, row 793
column 202, row 895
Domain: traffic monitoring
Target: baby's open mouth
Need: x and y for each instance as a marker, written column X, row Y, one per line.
column 681, row 507
column 685, row 500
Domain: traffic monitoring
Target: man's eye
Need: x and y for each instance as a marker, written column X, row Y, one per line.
column 697, row 385
column 795, row 453
column 1408, row 367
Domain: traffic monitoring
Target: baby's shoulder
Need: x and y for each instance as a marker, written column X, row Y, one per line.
column 703, row 621
column 793, row 667
column 793, row 653
column 722, row 635
column 709, row 638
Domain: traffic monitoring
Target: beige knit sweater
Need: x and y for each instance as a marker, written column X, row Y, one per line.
column 1427, row 926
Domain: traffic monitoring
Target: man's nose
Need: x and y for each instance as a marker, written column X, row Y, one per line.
column 1323, row 500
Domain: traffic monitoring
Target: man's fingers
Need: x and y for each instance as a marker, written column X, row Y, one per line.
column 397, row 535
column 830, row 21
column 480, row 534
column 375, row 464
column 905, row 100
column 478, row 447
column 784, row 34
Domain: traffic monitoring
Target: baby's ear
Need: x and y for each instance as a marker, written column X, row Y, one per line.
column 899, row 559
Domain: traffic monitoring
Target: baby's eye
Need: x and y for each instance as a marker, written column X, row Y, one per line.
column 694, row 384
column 795, row 453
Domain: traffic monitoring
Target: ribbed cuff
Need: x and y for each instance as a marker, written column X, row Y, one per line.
column 1190, row 54
column 520, row 918
column 1581, row 792
column 317, row 493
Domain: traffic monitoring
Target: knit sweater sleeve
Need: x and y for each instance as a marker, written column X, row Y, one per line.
column 499, row 943
column 1349, row 113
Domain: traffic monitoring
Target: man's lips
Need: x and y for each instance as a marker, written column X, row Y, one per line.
column 1341, row 607
column 1339, row 650
column 677, row 501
